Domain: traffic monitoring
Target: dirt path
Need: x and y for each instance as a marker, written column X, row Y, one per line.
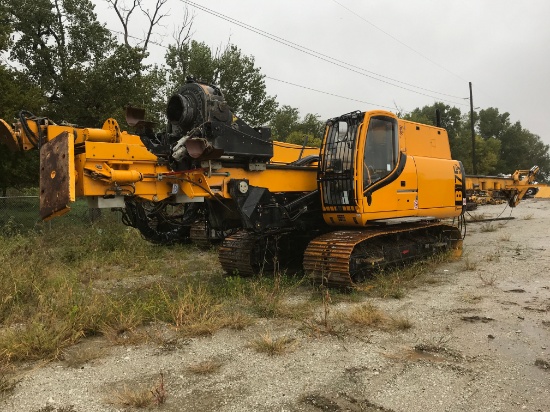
column 479, row 341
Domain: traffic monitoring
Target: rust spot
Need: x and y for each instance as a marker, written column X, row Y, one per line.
column 54, row 175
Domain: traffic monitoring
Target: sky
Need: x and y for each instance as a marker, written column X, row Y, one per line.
column 380, row 54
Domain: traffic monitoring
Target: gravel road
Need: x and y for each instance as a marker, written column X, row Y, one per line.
column 479, row 341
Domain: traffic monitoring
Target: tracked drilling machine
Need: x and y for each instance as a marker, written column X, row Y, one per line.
column 380, row 189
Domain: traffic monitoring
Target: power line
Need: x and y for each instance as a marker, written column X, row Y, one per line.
column 137, row 38
column 399, row 41
column 321, row 56
column 272, row 78
column 404, row 44
column 278, row 80
column 327, row 93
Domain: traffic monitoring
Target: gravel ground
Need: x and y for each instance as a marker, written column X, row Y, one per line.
column 479, row 341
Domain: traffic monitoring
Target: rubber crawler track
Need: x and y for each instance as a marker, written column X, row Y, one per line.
column 329, row 259
column 238, row 254
column 199, row 235
column 336, row 258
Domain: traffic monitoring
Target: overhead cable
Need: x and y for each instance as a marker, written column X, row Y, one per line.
column 326, row 58
column 397, row 40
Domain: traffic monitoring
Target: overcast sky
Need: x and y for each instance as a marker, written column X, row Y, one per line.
column 406, row 54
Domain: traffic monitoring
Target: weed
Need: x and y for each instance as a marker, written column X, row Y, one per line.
column 366, row 315
column 76, row 357
column 139, row 396
column 323, row 324
column 493, row 257
column 7, row 382
column 488, row 280
column 37, row 340
column 471, row 298
column 400, row 323
column 265, row 301
column 268, row 298
column 121, row 330
column 272, row 346
column 132, row 397
column 488, row 227
column 388, row 285
column 326, row 305
column 505, row 237
column 50, row 408
column 238, row 320
column 11, row 228
column 393, row 282
column 205, row 367
column 197, row 312
column 476, row 217
column 159, row 392
column 470, row 265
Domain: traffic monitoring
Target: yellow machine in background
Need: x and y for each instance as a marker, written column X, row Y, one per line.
column 542, row 191
column 375, row 193
column 500, row 189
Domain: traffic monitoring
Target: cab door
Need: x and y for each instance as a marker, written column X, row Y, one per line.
column 381, row 165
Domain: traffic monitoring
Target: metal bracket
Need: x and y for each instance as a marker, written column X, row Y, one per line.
column 57, row 176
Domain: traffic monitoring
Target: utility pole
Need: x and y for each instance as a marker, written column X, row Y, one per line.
column 474, row 164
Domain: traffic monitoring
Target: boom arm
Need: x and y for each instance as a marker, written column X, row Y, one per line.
column 207, row 162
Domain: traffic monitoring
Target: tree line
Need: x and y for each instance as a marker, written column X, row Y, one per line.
column 501, row 146
column 61, row 62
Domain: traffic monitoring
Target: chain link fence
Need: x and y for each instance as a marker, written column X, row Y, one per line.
column 20, row 214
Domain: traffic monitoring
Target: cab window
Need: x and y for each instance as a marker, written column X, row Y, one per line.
column 380, row 150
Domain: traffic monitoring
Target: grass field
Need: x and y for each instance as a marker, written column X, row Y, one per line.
column 73, row 281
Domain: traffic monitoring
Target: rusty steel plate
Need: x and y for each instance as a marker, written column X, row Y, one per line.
column 57, row 182
column 7, row 137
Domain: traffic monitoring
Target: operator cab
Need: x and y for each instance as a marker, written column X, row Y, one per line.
column 359, row 150
column 375, row 167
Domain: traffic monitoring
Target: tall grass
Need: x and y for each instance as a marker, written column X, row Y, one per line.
column 59, row 286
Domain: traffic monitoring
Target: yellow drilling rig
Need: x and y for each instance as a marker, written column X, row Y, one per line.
column 380, row 190
column 499, row 189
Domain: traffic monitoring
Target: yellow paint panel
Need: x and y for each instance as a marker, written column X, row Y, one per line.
column 288, row 152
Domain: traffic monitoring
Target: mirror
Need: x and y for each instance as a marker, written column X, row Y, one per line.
column 342, row 130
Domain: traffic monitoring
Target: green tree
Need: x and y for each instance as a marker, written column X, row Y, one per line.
column 56, row 41
column 298, row 137
column 237, row 76
column 492, row 123
column 286, row 126
column 284, row 121
column 245, row 86
column 522, row 149
column 312, row 125
column 17, row 170
column 92, row 96
column 519, row 148
column 83, row 73
column 451, row 118
column 5, row 25
column 487, row 154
